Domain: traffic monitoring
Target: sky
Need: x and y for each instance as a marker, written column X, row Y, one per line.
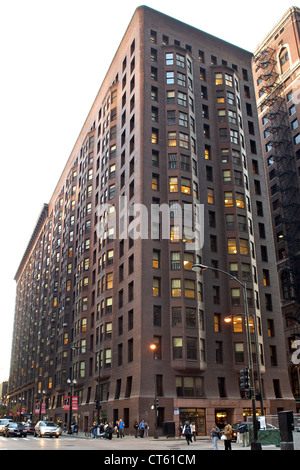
column 52, row 64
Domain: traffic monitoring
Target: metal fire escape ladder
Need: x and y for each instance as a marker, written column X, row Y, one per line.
column 280, row 138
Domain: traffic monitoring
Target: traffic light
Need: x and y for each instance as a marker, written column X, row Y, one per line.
column 156, row 402
column 97, row 405
column 244, row 380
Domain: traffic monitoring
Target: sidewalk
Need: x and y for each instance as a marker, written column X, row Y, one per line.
column 130, row 442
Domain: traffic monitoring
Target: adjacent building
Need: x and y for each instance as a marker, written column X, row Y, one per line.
column 276, row 70
column 172, row 136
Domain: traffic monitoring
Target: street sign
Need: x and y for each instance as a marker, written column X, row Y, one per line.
column 75, row 403
column 66, row 403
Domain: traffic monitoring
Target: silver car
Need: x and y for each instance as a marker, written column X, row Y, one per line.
column 47, row 428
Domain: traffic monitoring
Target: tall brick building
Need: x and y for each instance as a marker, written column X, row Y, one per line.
column 276, row 70
column 174, row 123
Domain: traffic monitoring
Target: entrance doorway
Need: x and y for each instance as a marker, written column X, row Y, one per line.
column 221, row 416
column 196, row 415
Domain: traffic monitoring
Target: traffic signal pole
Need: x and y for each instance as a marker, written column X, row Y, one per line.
column 255, row 445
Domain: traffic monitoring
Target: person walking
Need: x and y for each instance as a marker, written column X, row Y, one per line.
column 142, row 428
column 187, row 432
column 121, row 428
column 193, row 428
column 243, row 434
column 136, row 427
column 95, row 426
column 228, row 434
column 215, row 436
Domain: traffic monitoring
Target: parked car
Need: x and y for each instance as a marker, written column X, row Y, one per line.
column 14, row 429
column 3, row 423
column 47, row 428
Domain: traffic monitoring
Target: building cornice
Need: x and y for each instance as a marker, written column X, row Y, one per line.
column 288, row 14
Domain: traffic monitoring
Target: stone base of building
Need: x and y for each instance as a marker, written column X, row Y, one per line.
column 203, row 412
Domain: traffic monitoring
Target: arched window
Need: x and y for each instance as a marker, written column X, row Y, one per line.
column 284, row 60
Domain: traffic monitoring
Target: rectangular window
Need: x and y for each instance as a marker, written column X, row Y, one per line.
column 185, row 186
column 156, row 286
column 175, row 260
column 228, row 199
column 239, row 353
column 183, row 140
column 176, row 287
column 218, row 78
column 189, row 289
column 172, row 139
column 183, row 119
column 170, row 96
column 169, row 58
column 170, row 80
column 235, row 297
column 173, row 184
column 191, row 348
column 234, row 136
column 177, row 348
column 231, row 246
column 182, row 98
column 180, row 60
column 156, row 259
column 181, row 79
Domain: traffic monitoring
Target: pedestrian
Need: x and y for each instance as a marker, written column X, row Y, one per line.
column 94, row 429
column 117, row 429
column 121, row 428
column 110, row 430
column 243, row 434
column 228, row 435
column 142, row 428
column 106, row 430
column 215, row 436
column 180, row 430
column 136, row 427
column 187, row 432
column 146, row 429
column 193, row 428
column 101, row 430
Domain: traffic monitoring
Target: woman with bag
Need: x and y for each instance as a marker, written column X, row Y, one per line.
column 228, row 436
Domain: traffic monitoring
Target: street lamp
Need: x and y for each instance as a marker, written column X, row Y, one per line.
column 255, row 445
column 71, row 384
column 153, row 348
column 41, row 393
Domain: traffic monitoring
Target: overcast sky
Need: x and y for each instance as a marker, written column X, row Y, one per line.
column 52, row 65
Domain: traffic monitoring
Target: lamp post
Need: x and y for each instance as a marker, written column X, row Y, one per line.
column 41, row 393
column 71, row 384
column 255, row 445
column 153, row 348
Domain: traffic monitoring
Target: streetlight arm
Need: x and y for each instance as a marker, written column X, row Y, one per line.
column 197, row 267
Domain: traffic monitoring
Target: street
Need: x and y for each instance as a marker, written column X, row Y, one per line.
column 117, row 446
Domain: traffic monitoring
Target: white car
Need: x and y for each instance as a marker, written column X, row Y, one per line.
column 47, row 428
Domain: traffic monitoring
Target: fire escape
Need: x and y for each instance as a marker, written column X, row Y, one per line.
column 287, row 227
